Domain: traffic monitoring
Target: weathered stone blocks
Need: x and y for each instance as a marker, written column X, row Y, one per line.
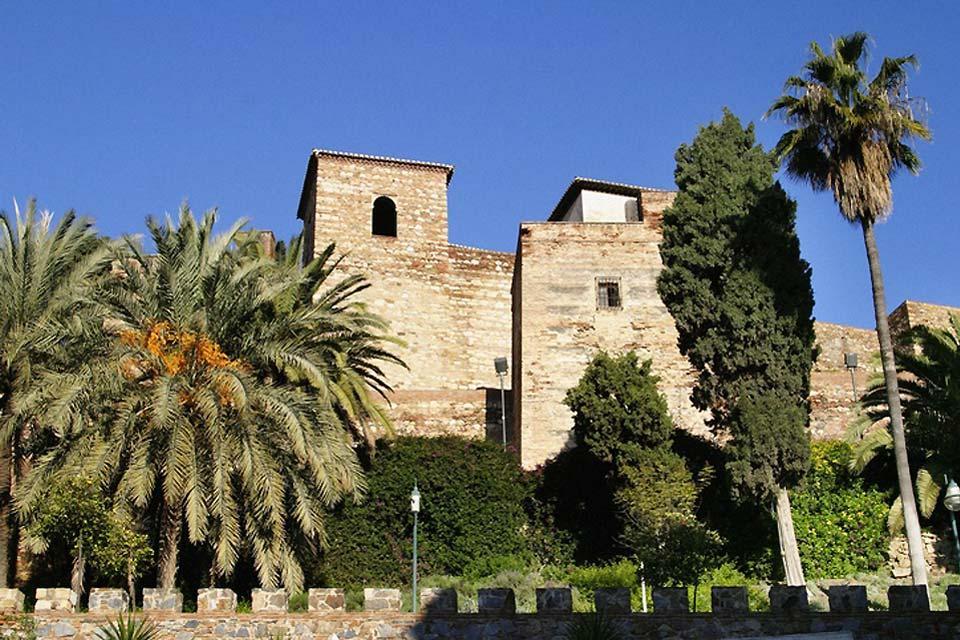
column 496, row 601
column 790, row 599
column 554, row 600
column 953, row 597
column 438, row 600
column 216, row 600
column 381, row 600
column 326, row 600
column 670, row 600
column 849, row 598
column 162, row 600
column 612, row 600
column 11, row 600
column 729, row 600
column 56, row 599
column 114, row 600
column 269, row 600
column 908, row 597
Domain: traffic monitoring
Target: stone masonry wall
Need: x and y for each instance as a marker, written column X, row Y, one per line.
column 457, row 308
column 832, row 404
column 449, row 304
column 560, row 328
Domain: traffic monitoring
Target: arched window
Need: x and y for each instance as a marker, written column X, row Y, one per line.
column 384, row 217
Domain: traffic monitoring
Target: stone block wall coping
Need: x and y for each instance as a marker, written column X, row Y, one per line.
column 213, row 599
column 11, row 600
column 554, row 600
column 56, row 599
column 112, row 600
column 379, row 599
column 843, row 599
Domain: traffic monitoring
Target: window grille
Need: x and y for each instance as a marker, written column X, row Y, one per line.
column 608, row 293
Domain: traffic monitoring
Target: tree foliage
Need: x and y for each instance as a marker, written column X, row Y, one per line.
column 741, row 298
column 471, row 512
column 839, row 520
column 616, row 406
column 637, row 496
column 225, row 399
column 850, row 134
column 929, row 364
column 76, row 516
column 48, row 273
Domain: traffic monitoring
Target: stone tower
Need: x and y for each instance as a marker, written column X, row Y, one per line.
column 449, row 304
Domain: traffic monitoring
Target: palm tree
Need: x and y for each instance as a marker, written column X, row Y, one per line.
column 354, row 379
column 47, row 272
column 850, row 136
column 222, row 422
column 929, row 364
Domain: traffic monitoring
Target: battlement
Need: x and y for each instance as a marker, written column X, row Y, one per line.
column 492, row 615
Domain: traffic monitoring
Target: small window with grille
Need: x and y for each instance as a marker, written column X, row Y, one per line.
column 608, row 293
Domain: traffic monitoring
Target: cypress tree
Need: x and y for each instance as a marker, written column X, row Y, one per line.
column 741, row 298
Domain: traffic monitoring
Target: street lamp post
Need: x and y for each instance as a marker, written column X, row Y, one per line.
column 415, row 508
column 951, row 500
column 500, row 365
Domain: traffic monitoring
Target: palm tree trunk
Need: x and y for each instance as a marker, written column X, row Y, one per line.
column 918, row 565
column 169, row 546
column 6, row 477
column 789, row 551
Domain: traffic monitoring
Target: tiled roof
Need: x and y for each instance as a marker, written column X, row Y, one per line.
column 448, row 168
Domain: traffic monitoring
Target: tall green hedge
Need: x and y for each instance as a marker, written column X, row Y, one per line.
column 471, row 513
column 840, row 521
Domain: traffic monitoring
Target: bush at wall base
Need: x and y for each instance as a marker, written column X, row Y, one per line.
column 471, row 509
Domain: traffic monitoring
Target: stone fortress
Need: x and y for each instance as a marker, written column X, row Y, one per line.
column 582, row 280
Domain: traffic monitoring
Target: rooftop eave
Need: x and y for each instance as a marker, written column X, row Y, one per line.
column 580, row 184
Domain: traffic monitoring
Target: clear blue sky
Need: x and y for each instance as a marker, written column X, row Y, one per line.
column 124, row 109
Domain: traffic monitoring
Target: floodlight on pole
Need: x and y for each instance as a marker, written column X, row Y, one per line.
column 850, row 362
column 501, row 367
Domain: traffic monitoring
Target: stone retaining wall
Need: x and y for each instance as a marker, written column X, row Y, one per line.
column 909, row 616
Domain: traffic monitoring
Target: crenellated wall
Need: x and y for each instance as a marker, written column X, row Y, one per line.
column 909, row 616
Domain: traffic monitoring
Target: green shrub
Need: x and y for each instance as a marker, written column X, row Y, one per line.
column 471, row 513
column 299, row 602
column 594, row 627
column 617, row 403
column 726, row 575
column 839, row 521
column 128, row 628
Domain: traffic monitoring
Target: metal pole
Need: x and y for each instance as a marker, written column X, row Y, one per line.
column 853, row 383
column 414, row 561
column 503, row 413
column 956, row 539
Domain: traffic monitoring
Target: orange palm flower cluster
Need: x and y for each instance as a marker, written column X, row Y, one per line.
column 179, row 350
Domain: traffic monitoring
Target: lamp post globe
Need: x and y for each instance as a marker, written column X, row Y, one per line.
column 951, row 499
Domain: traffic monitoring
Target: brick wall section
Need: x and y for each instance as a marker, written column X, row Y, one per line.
column 913, row 314
column 449, row 304
column 559, row 327
column 832, row 405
